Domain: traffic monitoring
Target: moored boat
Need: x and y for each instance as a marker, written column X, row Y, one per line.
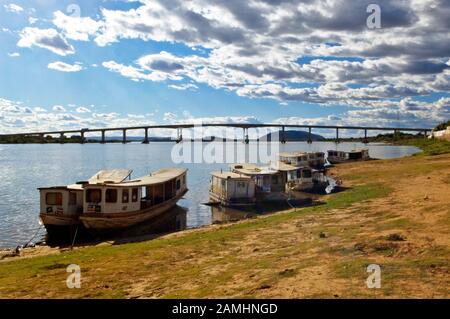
column 302, row 159
column 336, row 157
column 111, row 200
column 232, row 189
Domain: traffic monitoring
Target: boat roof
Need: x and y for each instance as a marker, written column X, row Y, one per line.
column 226, row 175
column 110, row 176
column 295, row 154
column 281, row 166
column 252, row 169
column 158, row 177
column 76, row 187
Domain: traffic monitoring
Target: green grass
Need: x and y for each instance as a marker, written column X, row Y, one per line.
column 429, row 147
column 115, row 264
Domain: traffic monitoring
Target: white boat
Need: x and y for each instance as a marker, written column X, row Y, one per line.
column 111, row 200
column 302, row 159
column 232, row 189
column 336, row 157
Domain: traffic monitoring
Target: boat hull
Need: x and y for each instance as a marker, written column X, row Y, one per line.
column 214, row 198
column 58, row 220
column 107, row 222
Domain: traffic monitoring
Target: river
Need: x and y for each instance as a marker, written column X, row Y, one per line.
column 24, row 168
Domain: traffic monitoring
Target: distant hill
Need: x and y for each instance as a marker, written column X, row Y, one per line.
column 293, row 136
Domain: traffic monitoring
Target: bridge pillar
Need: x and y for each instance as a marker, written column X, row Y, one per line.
column 365, row 140
column 179, row 135
column 82, row 137
column 246, row 139
column 337, row 135
column 395, row 135
column 61, row 137
column 124, row 136
column 103, row 137
column 146, row 136
column 283, row 135
column 41, row 138
column 309, row 135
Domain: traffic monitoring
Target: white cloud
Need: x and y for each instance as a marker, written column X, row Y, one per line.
column 76, row 28
column 65, row 67
column 169, row 116
column 32, row 20
column 14, row 8
column 48, row 39
column 58, row 108
column 82, row 109
column 14, row 54
column 182, row 87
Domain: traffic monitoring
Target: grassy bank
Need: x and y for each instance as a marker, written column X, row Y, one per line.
column 428, row 146
column 393, row 213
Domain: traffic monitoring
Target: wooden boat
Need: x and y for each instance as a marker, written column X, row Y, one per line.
column 141, row 199
column 232, row 189
column 111, row 200
column 336, row 157
column 302, row 159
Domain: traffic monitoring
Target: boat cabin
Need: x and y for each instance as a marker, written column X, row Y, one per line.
column 62, row 200
column 121, row 196
column 297, row 178
column 302, row 159
column 230, row 189
column 335, row 157
column 267, row 179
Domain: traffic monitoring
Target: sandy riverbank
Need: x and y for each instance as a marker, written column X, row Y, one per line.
column 395, row 213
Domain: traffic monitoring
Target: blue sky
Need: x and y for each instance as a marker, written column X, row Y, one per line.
column 100, row 63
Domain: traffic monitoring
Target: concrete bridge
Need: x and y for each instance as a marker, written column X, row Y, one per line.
column 244, row 126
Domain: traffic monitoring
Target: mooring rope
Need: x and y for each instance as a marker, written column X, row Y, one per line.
column 35, row 234
column 74, row 237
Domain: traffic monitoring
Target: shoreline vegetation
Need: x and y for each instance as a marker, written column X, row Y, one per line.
column 393, row 213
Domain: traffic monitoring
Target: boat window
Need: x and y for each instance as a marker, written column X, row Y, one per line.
column 125, row 196
column 53, row 198
column 134, row 195
column 111, row 195
column 178, row 184
column 72, row 199
column 241, row 184
column 307, row 173
column 274, row 179
column 93, row 195
column 184, row 179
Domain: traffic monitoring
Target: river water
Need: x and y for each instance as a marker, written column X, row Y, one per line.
column 24, row 168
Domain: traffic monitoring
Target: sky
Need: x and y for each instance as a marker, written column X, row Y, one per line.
column 76, row 64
